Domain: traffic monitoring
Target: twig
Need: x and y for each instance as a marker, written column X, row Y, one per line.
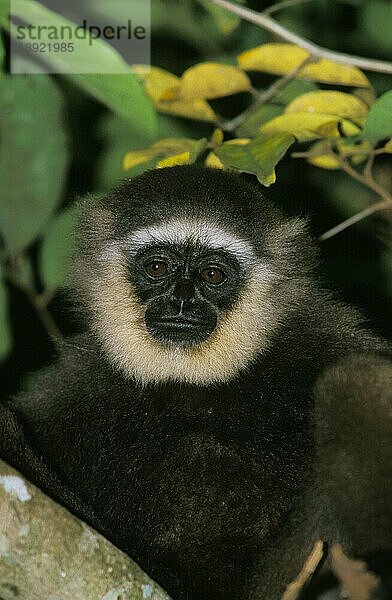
column 382, row 205
column 39, row 302
column 47, row 320
column 347, row 153
column 264, row 97
column 366, row 179
column 266, row 22
column 367, row 172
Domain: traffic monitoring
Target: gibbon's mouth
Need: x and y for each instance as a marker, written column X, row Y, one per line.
column 181, row 322
column 179, row 331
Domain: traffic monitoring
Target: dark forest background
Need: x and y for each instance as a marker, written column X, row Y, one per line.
column 357, row 262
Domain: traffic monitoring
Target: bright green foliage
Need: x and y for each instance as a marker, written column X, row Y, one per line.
column 33, row 157
column 123, row 94
column 118, row 88
column 261, row 115
column 211, row 107
column 57, row 249
column 259, row 157
column 379, row 122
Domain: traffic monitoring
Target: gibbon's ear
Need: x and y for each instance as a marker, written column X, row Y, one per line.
column 94, row 232
column 95, row 223
column 293, row 249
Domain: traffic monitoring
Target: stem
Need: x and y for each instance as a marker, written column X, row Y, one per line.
column 43, row 313
column 382, row 205
column 40, row 303
column 347, row 153
column 366, row 179
column 266, row 22
column 264, row 97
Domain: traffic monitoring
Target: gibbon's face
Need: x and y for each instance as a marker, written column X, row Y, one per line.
column 185, row 288
column 182, row 282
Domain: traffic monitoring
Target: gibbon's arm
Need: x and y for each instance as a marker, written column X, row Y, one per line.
column 16, row 449
column 17, row 446
column 353, row 427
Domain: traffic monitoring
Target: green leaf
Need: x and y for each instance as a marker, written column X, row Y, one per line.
column 266, row 112
column 5, row 329
column 293, row 89
column 378, row 125
column 116, row 87
column 376, row 21
column 57, row 248
column 124, row 95
column 4, row 12
column 33, row 157
column 166, row 153
column 259, row 157
column 225, row 21
column 119, row 137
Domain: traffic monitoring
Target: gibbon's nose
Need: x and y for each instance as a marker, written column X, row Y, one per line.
column 184, row 290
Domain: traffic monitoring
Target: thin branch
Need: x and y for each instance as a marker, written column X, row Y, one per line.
column 264, row 97
column 367, row 172
column 266, row 22
column 43, row 313
column 368, row 180
column 347, row 153
column 382, row 205
column 39, row 302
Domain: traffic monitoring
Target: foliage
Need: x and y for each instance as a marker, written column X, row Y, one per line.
column 347, row 127
column 239, row 100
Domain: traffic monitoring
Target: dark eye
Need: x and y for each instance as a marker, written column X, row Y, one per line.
column 213, row 275
column 156, row 268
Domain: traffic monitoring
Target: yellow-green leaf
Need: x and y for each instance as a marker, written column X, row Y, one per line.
column 323, row 158
column 378, row 125
column 388, row 147
column 211, row 80
column 309, row 126
column 281, row 59
column 294, row 88
column 178, row 159
column 157, row 82
column 137, row 157
column 171, row 146
column 213, row 161
column 238, row 142
column 332, row 103
column 266, row 112
column 165, row 153
column 259, row 156
column 224, row 20
column 217, row 137
column 367, row 95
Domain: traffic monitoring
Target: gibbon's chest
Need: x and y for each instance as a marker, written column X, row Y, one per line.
column 173, row 456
